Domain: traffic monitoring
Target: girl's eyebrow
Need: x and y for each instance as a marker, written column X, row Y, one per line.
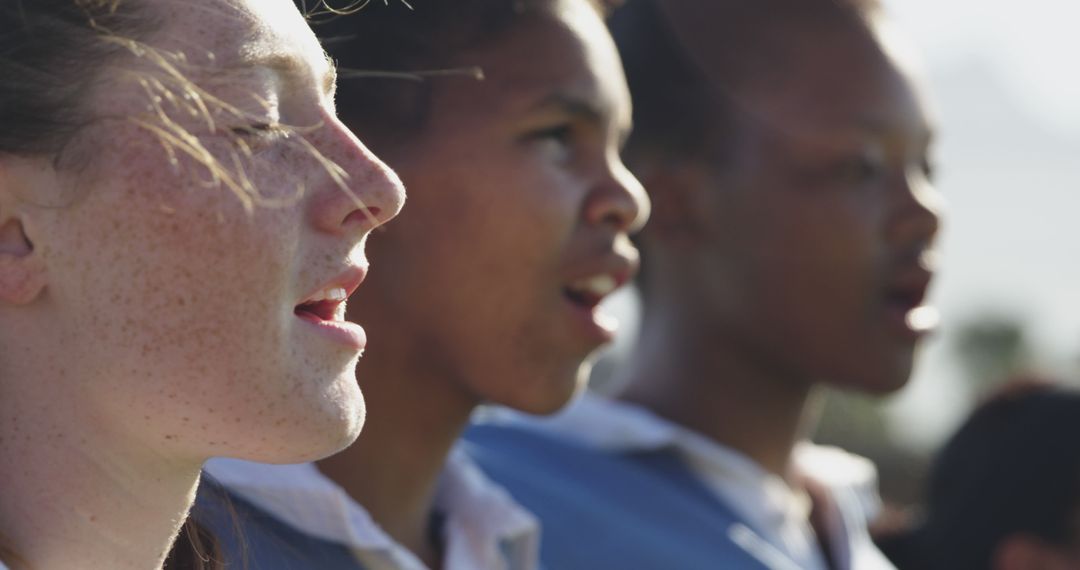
column 288, row 65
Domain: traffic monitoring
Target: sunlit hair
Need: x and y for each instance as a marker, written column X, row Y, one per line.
column 43, row 91
column 394, row 55
column 51, row 54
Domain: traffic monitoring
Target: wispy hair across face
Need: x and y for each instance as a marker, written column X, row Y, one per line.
column 55, row 53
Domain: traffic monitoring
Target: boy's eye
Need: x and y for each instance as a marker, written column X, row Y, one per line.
column 860, row 168
column 864, row 168
column 929, row 169
column 557, row 141
column 559, row 133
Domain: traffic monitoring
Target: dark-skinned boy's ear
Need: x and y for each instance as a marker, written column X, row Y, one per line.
column 22, row 272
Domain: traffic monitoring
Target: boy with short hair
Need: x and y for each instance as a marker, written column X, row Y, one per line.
column 786, row 150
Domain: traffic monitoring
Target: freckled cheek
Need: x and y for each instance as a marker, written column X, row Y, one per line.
column 189, row 271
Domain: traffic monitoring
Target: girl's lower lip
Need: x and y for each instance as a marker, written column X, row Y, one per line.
column 346, row 333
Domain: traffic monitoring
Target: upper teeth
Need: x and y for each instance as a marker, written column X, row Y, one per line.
column 332, row 294
column 601, row 285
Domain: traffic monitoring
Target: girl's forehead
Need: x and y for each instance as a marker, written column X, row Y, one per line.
column 206, row 62
column 235, row 33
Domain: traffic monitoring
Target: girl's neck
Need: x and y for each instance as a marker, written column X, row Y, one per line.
column 77, row 498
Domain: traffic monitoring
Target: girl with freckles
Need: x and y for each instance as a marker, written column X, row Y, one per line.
column 181, row 218
column 504, row 118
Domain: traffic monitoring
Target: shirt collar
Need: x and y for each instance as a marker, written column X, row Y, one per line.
column 303, row 498
column 484, row 528
column 764, row 499
column 761, row 497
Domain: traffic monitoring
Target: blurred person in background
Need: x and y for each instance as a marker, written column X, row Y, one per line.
column 786, row 148
column 1004, row 491
column 520, row 212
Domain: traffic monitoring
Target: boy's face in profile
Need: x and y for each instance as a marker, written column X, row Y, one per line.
column 519, row 213
column 821, row 224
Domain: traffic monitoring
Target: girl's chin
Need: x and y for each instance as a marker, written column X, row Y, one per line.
column 309, row 437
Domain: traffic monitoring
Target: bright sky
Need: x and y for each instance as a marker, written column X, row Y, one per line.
column 1005, row 77
column 1033, row 43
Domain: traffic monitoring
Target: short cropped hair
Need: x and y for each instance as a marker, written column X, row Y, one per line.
column 384, row 51
column 678, row 111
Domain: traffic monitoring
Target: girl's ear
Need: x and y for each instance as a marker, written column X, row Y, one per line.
column 22, row 271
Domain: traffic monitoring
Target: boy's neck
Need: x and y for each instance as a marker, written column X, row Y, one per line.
column 393, row 469
column 703, row 383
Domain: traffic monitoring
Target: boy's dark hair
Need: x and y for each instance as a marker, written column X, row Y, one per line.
column 679, row 112
column 675, row 110
column 392, row 56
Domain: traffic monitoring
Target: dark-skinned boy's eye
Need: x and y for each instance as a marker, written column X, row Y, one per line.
column 859, row 169
column 929, row 169
column 559, row 133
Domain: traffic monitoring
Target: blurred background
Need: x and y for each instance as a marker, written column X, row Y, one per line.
column 1003, row 79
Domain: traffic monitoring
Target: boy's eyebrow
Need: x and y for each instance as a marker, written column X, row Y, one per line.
column 878, row 126
column 583, row 108
column 576, row 106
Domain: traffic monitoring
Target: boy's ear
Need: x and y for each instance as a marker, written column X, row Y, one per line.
column 679, row 207
column 22, row 271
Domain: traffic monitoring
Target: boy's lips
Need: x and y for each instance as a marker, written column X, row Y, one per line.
column 590, row 289
column 904, row 299
column 587, row 289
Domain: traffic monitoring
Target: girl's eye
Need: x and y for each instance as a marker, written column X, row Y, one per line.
column 264, row 130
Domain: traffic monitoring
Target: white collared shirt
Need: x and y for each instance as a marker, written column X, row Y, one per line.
column 484, row 528
column 766, row 502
